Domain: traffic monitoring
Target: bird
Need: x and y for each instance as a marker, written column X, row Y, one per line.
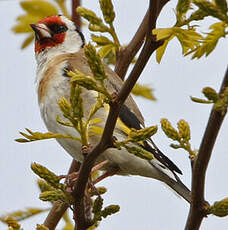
column 59, row 46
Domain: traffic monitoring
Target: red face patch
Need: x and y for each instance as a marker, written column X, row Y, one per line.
column 56, row 39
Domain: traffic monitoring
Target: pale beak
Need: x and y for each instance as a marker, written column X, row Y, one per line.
column 41, row 31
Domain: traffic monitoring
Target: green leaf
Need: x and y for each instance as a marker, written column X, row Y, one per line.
column 40, row 8
column 36, row 136
column 161, row 50
column 105, row 50
column 162, row 34
column 189, row 39
column 209, row 43
column 143, row 91
column 23, row 214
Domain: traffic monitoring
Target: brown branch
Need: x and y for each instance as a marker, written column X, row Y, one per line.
column 58, row 209
column 198, row 209
column 75, row 16
column 106, row 140
column 126, row 55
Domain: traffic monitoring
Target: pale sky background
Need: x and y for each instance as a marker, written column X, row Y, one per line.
column 144, row 203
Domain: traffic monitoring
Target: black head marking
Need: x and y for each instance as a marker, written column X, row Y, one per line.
column 57, row 28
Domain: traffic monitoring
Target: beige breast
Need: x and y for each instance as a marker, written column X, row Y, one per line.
column 78, row 61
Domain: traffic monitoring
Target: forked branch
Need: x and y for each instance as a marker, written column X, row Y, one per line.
column 149, row 47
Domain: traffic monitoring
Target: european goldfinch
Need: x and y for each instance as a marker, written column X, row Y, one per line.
column 59, row 46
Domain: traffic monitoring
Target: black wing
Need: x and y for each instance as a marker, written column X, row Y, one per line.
column 131, row 121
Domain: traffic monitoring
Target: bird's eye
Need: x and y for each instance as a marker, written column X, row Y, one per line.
column 57, row 28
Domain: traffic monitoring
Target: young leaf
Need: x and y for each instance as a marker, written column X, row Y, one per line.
column 23, row 214
column 161, row 50
column 36, row 136
column 106, row 49
column 143, row 91
column 209, row 43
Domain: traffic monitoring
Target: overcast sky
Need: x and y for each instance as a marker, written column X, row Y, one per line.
column 144, row 203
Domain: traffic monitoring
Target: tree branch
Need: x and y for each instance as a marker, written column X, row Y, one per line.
column 125, row 55
column 58, row 209
column 75, row 16
column 106, row 140
column 198, row 209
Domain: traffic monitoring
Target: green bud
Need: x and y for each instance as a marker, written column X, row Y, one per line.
column 109, row 210
column 139, row 152
column 169, row 130
column 54, row 195
column 98, row 28
column 107, row 10
column 220, row 208
column 97, row 205
column 12, row 223
column 46, row 174
column 44, row 186
column 222, row 103
column 142, row 134
column 87, row 82
column 95, row 63
column 101, row 40
column 65, row 106
column 184, row 130
column 89, row 15
column 76, row 100
column 41, row 227
column 99, row 190
column 210, row 94
column 199, row 100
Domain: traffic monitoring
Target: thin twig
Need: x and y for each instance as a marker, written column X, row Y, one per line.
column 58, row 209
column 198, row 209
column 75, row 16
column 126, row 55
column 106, row 140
